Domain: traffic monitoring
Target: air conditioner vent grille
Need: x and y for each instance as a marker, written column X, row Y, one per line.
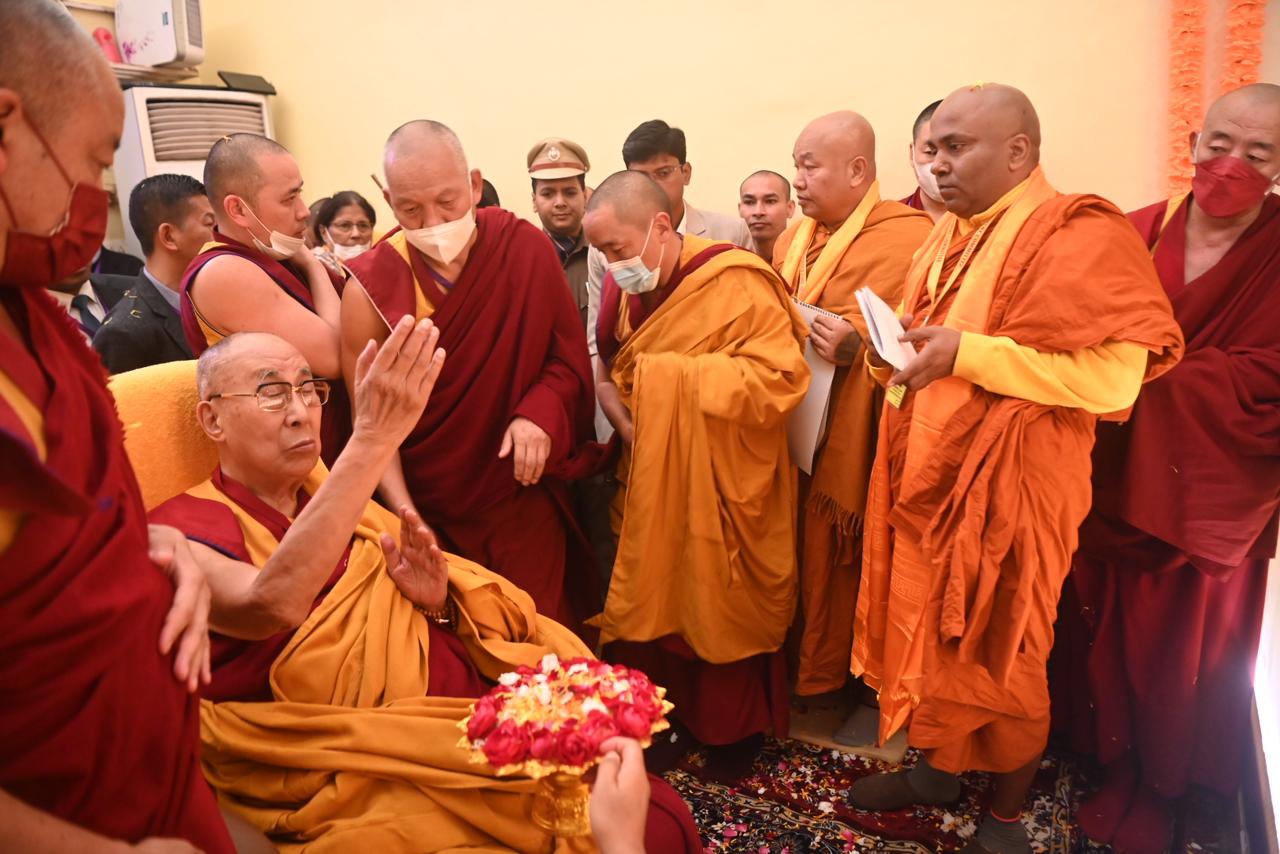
column 185, row 129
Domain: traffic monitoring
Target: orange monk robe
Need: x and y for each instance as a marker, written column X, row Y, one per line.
column 352, row 750
column 872, row 249
column 706, row 551
column 982, row 479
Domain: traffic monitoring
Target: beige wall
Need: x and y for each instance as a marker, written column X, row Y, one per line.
column 739, row 76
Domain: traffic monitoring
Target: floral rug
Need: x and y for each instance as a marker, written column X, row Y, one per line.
column 793, row 804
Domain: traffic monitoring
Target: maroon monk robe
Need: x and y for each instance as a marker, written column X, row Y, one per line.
column 515, row 347
column 94, row 728
column 335, row 422
column 242, row 669
column 1170, row 577
column 914, row 200
column 719, row 703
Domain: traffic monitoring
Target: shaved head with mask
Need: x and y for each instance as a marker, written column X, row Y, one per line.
column 1163, row 492
column 1032, row 314
column 106, row 641
column 848, row 238
column 488, row 463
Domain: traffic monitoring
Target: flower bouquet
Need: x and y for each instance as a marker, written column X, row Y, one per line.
column 549, row 722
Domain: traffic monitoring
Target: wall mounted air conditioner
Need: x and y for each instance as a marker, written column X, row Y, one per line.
column 171, row 129
column 160, row 32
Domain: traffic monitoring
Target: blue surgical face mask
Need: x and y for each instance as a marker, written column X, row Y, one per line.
column 631, row 274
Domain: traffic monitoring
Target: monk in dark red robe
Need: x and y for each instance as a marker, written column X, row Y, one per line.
column 257, row 276
column 1154, row 669
column 98, row 739
column 510, row 422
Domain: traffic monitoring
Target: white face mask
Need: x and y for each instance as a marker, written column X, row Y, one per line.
column 282, row 248
column 632, row 276
column 346, row 253
column 444, row 242
column 927, row 180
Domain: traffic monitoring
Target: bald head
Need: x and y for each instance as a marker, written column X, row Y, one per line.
column 50, row 61
column 835, row 157
column 58, row 101
column 988, row 142
column 634, row 197
column 1243, row 123
column 238, row 165
column 233, row 359
column 422, row 140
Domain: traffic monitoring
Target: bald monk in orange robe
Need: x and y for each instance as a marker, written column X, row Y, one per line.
column 1037, row 313
column 348, row 645
column 703, row 358
column 849, row 238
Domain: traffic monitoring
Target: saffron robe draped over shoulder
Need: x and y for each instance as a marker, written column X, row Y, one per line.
column 872, row 249
column 1171, row 574
column 94, row 728
column 706, row 556
column 335, row 422
column 976, row 497
column 516, row 348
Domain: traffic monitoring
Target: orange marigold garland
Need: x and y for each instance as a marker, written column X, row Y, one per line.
column 1186, row 86
column 1242, row 54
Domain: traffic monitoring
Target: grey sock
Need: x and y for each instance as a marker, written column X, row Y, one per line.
column 932, row 784
column 1003, row 837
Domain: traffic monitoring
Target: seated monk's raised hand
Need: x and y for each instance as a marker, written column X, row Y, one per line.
column 531, row 446
column 417, row 565
column 393, row 382
column 935, row 359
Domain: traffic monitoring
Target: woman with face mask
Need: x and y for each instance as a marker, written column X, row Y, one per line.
column 344, row 227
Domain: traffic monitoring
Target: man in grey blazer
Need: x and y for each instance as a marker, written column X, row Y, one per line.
column 171, row 216
column 658, row 150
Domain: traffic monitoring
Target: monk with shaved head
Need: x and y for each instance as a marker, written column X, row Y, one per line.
column 848, row 238
column 105, row 638
column 1035, row 314
column 488, row 464
column 258, row 275
column 1171, row 575
column 700, row 364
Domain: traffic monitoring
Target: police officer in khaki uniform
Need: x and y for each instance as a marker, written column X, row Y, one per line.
column 558, row 169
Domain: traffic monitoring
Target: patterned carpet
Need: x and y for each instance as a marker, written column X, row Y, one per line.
column 792, row 804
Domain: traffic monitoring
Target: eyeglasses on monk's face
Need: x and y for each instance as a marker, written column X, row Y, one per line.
column 275, row 396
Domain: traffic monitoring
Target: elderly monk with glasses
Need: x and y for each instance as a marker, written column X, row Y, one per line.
column 347, row 644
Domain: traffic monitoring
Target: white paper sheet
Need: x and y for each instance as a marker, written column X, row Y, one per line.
column 807, row 424
column 883, row 324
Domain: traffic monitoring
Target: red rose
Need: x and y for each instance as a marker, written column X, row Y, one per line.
column 596, row 728
column 574, row 748
column 542, row 745
column 507, row 745
column 483, row 719
column 634, row 723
